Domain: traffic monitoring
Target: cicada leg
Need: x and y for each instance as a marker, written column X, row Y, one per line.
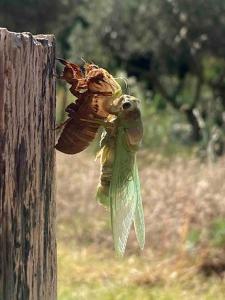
column 61, row 125
column 107, row 158
column 103, row 187
column 56, row 75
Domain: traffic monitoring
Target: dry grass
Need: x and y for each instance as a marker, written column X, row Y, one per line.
column 179, row 197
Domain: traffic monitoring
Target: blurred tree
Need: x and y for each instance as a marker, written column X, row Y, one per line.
column 175, row 46
column 40, row 16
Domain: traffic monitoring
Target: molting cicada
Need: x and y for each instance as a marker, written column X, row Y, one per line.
column 100, row 103
column 119, row 187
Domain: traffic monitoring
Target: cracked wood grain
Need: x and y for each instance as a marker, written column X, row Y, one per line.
column 27, row 159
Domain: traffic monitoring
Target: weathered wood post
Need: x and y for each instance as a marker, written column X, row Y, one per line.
column 27, row 207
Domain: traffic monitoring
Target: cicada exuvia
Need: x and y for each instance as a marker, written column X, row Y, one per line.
column 95, row 91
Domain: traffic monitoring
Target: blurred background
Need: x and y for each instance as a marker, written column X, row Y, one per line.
column 172, row 55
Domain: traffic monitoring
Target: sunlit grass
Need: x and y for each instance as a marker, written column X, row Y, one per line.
column 93, row 274
column 184, row 214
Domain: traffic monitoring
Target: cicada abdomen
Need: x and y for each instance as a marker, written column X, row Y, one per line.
column 81, row 126
column 119, row 186
column 95, row 90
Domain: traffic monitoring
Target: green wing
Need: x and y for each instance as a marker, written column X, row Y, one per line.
column 139, row 224
column 124, row 193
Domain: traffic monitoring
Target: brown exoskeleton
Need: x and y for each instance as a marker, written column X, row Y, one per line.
column 95, row 90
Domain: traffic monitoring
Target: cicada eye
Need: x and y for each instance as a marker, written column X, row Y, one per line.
column 126, row 105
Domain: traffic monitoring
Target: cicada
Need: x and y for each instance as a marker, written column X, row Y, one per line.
column 119, row 187
column 95, row 91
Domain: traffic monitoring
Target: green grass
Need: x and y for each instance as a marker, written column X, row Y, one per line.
column 112, row 292
column 85, row 274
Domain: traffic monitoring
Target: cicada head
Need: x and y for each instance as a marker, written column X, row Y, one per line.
column 125, row 105
column 129, row 118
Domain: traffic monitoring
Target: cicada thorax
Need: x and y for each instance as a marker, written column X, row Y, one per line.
column 100, row 81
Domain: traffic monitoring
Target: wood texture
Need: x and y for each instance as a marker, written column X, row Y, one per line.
column 27, row 159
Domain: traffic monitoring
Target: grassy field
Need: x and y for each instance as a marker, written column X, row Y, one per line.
column 185, row 231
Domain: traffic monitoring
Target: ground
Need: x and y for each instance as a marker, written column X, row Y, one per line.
column 184, row 213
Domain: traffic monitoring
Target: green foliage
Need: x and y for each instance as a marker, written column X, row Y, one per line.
column 217, row 233
column 84, row 274
column 193, row 238
column 165, row 132
column 172, row 48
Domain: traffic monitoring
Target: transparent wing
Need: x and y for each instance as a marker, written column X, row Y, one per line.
column 139, row 224
column 123, row 193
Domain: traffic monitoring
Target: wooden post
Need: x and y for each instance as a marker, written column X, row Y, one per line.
column 27, row 138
